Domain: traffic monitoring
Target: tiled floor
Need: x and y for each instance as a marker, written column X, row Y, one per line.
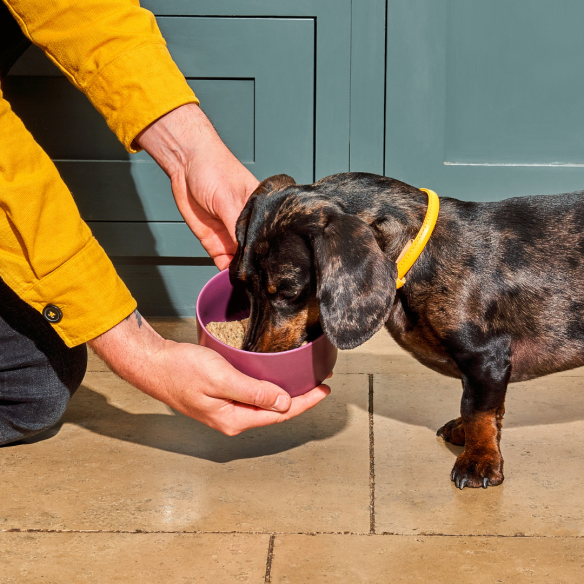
column 357, row 490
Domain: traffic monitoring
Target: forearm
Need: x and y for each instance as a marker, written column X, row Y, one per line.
column 173, row 139
column 131, row 349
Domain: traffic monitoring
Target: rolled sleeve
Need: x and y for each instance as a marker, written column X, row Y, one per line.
column 88, row 292
column 136, row 89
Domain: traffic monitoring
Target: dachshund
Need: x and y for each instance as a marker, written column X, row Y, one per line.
column 496, row 296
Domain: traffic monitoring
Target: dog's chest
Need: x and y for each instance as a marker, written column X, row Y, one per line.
column 418, row 339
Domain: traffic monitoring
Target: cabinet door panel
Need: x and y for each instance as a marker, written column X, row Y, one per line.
column 149, row 239
column 332, row 39
column 165, row 290
column 484, row 98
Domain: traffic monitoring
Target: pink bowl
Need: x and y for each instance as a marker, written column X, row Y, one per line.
column 296, row 371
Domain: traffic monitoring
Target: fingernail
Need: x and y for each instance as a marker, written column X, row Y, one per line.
column 281, row 404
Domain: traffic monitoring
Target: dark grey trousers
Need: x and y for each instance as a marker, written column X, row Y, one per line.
column 38, row 372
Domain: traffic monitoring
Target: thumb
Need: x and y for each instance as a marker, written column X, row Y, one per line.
column 254, row 392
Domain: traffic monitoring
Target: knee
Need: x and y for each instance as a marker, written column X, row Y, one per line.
column 57, row 387
column 44, row 412
column 70, row 366
column 41, row 395
column 42, row 409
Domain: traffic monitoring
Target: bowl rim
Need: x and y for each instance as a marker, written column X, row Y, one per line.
column 261, row 355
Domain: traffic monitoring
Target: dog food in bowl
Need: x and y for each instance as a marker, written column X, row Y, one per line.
column 231, row 333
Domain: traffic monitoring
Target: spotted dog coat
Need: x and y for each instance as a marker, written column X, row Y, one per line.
column 497, row 295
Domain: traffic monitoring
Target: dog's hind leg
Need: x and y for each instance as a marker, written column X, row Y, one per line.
column 485, row 374
column 453, row 432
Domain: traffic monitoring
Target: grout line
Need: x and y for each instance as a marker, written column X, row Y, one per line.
column 268, row 577
column 516, row 164
column 273, row 534
column 371, row 461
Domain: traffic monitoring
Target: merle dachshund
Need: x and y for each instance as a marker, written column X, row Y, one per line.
column 496, row 296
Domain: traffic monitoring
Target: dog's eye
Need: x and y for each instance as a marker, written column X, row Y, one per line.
column 289, row 294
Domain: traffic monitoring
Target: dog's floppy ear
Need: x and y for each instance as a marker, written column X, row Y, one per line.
column 355, row 281
column 236, row 267
column 239, row 264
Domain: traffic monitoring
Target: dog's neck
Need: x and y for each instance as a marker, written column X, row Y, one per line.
column 395, row 219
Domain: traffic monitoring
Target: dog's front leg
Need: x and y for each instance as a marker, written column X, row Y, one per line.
column 484, row 379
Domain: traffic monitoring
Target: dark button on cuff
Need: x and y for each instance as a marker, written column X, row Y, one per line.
column 52, row 313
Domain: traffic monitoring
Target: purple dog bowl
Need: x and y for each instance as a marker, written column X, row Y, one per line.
column 297, row 371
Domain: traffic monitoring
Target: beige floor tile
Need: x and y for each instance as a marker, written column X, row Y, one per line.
column 543, row 447
column 351, row 559
column 123, row 461
column 380, row 354
column 136, row 558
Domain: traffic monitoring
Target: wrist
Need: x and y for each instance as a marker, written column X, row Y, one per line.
column 130, row 349
column 171, row 139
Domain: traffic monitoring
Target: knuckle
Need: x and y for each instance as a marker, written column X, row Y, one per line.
column 261, row 398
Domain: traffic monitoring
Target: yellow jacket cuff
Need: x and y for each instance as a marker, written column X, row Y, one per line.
column 87, row 291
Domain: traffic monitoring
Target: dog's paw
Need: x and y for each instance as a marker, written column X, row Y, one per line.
column 478, row 470
column 453, row 432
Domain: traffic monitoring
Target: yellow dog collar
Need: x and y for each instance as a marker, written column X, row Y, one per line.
column 414, row 247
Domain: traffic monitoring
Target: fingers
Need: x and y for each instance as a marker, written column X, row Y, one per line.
column 246, row 390
column 245, row 417
column 305, row 402
column 223, row 261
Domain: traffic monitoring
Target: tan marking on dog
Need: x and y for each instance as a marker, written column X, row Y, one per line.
column 482, row 455
column 276, row 338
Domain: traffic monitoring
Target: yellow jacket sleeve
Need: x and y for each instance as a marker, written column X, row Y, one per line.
column 113, row 51
column 47, row 253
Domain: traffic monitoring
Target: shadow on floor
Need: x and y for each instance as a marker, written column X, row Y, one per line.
column 180, row 434
column 426, row 398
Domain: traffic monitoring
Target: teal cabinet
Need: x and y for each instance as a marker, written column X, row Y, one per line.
column 484, row 99
column 476, row 100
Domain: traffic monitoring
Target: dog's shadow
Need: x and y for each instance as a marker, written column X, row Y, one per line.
column 177, row 433
column 430, row 400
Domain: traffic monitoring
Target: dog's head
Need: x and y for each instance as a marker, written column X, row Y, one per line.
column 308, row 264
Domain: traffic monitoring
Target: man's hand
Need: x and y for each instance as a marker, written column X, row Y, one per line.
column 195, row 380
column 210, row 187
column 209, row 184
